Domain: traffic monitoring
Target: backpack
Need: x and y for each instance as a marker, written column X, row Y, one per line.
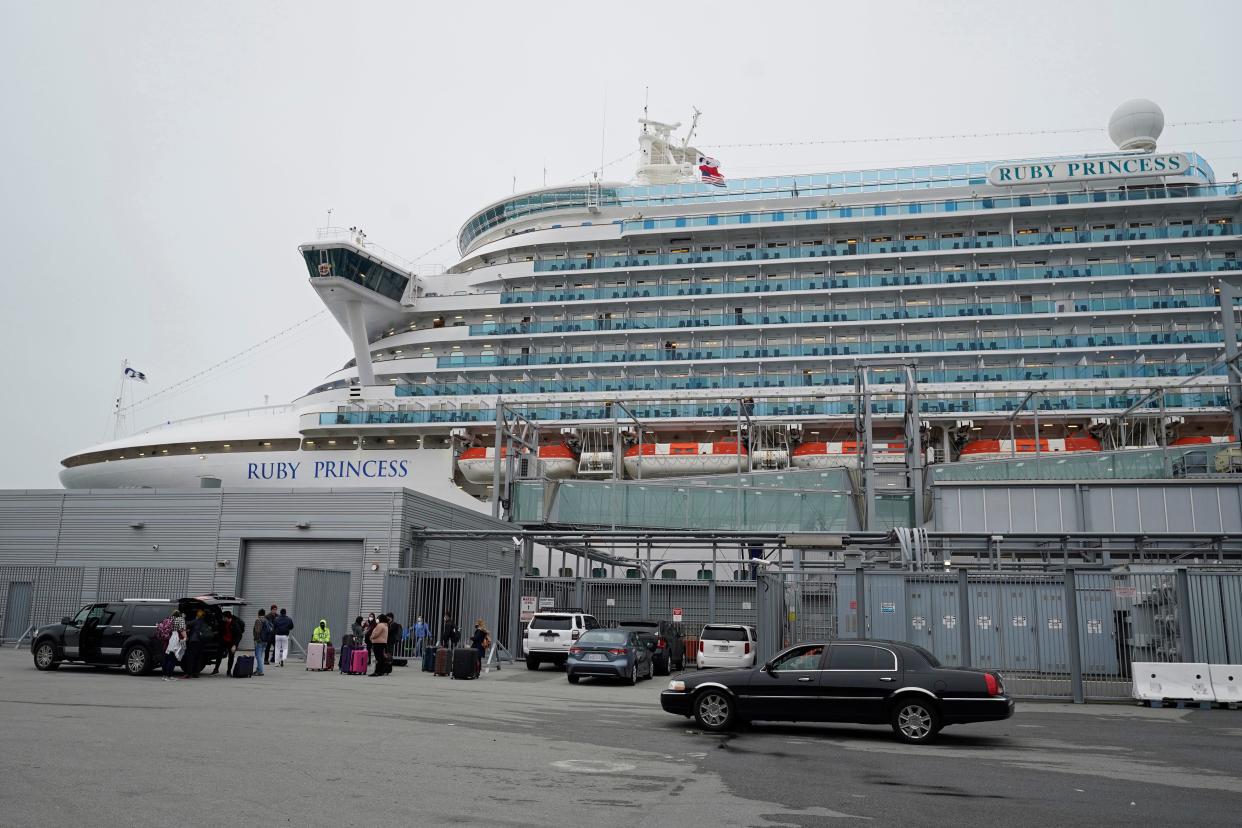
column 163, row 630
column 268, row 632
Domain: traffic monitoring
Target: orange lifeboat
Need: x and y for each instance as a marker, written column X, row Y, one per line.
column 477, row 464
column 1004, row 449
column 1203, row 440
column 676, row 459
column 845, row 454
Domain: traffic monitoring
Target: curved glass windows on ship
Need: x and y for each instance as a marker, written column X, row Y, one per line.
column 344, row 263
column 740, row 189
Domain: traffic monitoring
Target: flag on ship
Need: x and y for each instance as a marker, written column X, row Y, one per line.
column 709, row 170
column 134, row 374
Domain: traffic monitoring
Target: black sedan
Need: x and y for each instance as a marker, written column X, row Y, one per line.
column 867, row 682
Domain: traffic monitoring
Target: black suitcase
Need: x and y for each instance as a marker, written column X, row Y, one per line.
column 243, row 666
column 429, row 659
column 465, row 663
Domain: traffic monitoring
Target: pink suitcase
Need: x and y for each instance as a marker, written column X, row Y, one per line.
column 357, row 661
column 320, row 657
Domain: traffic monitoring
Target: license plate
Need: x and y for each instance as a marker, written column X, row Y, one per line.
column 724, row 649
column 596, row 657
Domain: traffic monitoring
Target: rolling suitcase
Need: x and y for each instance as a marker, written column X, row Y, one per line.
column 346, row 649
column 429, row 659
column 320, row 656
column 442, row 661
column 243, row 667
column 355, row 664
column 465, row 663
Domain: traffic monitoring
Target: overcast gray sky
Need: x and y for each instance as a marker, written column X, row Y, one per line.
column 162, row 161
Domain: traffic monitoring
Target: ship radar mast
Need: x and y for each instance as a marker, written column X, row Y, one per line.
column 662, row 159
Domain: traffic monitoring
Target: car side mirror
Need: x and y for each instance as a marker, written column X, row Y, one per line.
column 67, row 621
column 769, row 668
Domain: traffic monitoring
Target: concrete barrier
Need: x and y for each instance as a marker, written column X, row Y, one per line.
column 1226, row 681
column 1154, row 681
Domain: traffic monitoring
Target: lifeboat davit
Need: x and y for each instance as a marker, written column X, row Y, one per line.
column 845, row 454
column 477, row 464
column 1203, row 440
column 677, row 459
column 1006, row 449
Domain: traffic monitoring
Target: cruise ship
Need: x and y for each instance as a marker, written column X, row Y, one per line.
column 685, row 323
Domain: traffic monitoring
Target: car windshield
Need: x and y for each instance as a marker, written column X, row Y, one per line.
column 724, row 633
column 604, row 637
column 547, row 622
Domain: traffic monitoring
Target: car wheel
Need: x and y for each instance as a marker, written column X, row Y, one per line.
column 45, row 656
column 633, row 679
column 714, row 711
column 651, row 670
column 532, row 663
column 137, row 660
column 915, row 722
column 572, row 678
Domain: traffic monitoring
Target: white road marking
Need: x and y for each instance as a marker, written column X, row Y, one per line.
column 592, row 766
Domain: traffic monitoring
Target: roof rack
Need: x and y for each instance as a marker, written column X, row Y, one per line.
column 146, row 600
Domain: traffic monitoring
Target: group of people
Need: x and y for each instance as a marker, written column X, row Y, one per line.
column 186, row 641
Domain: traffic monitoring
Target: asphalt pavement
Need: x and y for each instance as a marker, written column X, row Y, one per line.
column 96, row 747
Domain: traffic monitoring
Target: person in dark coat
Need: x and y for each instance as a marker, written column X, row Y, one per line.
column 269, row 654
column 231, row 632
column 196, row 633
column 448, row 631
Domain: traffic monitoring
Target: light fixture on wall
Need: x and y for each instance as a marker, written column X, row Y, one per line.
column 137, row 524
column 303, row 524
column 223, row 563
column 375, row 566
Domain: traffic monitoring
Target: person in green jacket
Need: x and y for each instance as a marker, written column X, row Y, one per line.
column 321, row 635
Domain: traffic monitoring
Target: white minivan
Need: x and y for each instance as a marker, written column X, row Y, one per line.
column 726, row 645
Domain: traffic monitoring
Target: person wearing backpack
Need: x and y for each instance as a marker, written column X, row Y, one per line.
column 283, row 626
column 262, row 635
column 196, row 635
column 270, row 652
column 174, row 642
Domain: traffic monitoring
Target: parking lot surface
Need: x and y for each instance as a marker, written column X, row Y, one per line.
column 91, row 747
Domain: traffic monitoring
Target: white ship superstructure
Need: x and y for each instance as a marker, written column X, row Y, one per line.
column 720, row 328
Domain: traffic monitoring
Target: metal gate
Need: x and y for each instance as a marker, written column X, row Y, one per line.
column 320, row 594
column 17, row 609
column 463, row 595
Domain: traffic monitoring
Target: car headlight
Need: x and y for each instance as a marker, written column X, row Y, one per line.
column 677, row 686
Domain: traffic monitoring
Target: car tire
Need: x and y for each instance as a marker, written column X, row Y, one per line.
column 915, row 721
column 715, row 711
column 573, row 679
column 532, row 663
column 45, row 656
column 633, row 679
column 137, row 660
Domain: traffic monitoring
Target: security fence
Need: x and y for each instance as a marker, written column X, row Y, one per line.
column 1069, row 634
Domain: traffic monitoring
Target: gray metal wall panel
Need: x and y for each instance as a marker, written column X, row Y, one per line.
column 29, row 525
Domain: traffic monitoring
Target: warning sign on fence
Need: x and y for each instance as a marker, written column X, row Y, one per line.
column 1019, row 620
column 547, row 603
column 949, row 621
column 983, row 622
column 677, row 615
column 1095, row 626
column 1055, row 624
column 887, row 607
column 918, row 622
column 528, row 605
column 1125, row 592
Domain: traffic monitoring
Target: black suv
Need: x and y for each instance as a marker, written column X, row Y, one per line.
column 670, row 649
column 122, row 633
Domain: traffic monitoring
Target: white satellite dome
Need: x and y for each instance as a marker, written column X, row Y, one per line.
column 1136, row 125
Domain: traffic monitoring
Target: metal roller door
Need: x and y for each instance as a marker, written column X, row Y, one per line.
column 270, row 575
column 321, row 593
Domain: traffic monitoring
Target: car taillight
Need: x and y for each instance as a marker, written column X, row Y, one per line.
column 662, row 644
column 617, row 652
column 702, row 649
column 746, row 649
column 992, row 684
column 575, row 651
